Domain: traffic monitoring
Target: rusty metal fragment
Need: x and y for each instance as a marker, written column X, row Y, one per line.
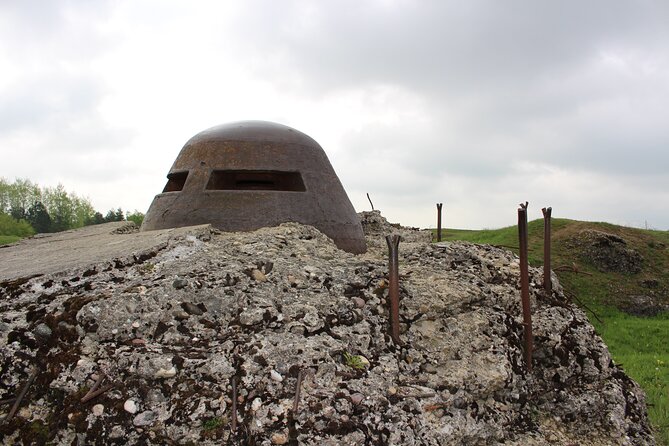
column 548, row 282
column 233, row 415
column 393, row 242
column 525, row 285
column 252, row 174
column 19, row 398
column 439, row 221
column 298, row 389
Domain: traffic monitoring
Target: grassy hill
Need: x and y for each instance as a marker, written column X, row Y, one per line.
column 620, row 276
column 7, row 239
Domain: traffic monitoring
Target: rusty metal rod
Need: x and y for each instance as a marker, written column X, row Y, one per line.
column 548, row 282
column 525, row 285
column 92, row 390
column 298, row 388
column 93, row 394
column 370, row 201
column 233, row 423
column 393, row 242
column 439, row 221
column 20, row 397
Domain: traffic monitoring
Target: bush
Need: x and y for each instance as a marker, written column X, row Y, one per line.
column 11, row 226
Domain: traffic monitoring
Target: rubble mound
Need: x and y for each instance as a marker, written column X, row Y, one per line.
column 607, row 252
column 278, row 337
column 645, row 305
column 376, row 227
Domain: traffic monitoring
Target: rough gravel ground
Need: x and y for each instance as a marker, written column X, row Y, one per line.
column 171, row 332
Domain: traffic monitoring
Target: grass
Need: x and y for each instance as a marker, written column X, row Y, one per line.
column 7, row 239
column 638, row 344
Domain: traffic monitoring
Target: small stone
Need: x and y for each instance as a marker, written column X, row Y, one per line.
column 392, row 390
column 276, row 376
column 363, row 361
column 279, row 438
column 114, row 331
column 145, row 418
column 117, row 432
column 180, row 283
column 166, row 373
column 135, row 324
column 180, row 315
column 130, row 406
column 258, row 276
column 192, row 309
column 98, row 410
column 359, row 302
column 43, row 331
column 255, row 405
column 357, row 398
column 138, row 341
column 428, row 368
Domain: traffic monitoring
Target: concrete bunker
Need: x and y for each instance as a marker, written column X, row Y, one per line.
column 252, row 174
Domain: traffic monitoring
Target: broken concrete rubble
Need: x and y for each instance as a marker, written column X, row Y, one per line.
column 170, row 329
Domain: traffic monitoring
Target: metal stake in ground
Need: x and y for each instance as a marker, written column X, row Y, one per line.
column 548, row 283
column 393, row 242
column 439, row 221
column 233, row 423
column 525, row 284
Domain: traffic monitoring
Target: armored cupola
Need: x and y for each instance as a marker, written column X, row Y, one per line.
column 252, row 174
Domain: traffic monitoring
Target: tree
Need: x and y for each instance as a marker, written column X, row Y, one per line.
column 17, row 197
column 136, row 217
column 39, row 217
column 83, row 211
column 95, row 219
column 60, row 208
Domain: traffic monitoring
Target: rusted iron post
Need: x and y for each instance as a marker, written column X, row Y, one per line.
column 439, row 221
column 393, row 242
column 525, row 284
column 233, row 421
column 20, row 397
column 548, row 282
column 298, row 388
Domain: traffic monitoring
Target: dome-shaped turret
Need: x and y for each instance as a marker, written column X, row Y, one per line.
column 252, row 174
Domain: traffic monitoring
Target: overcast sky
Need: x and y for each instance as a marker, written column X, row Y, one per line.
column 476, row 104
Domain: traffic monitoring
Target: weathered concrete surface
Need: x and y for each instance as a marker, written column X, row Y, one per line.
column 170, row 332
column 79, row 248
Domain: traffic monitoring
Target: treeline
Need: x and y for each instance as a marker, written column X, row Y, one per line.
column 26, row 209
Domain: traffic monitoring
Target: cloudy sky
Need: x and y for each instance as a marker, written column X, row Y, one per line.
column 476, row 104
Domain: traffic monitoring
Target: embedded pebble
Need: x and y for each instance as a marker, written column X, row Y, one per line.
column 279, row 438
column 145, row 418
column 166, row 373
column 256, row 404
column 276, row 376
column 43, row 331
column 130, row 406
column 192, row 309
column 359, row 302
column 98, row 410
column 180, row 283
column 258, row 275
column 357, row 398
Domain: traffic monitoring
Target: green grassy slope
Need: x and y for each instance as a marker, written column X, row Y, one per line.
column 7, row 239
column 639, row 344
